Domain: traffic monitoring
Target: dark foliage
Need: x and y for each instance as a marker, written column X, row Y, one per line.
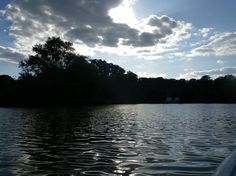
column 55, row 75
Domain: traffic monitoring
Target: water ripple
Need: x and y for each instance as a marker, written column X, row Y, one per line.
column 116, row 140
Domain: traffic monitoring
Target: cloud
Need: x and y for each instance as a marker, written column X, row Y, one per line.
column 151, row 75
column 92, row 25
column 159, row 30
column 220, row 62
column 223, row 44
column 214, row 73
column 2, row 12
column 127, row 16
column 10, row 55
column 205, row 31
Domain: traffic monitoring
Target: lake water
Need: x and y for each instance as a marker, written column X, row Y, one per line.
column 116, row 140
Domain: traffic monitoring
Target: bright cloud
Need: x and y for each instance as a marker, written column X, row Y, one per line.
column 205, row 31
column 124, row 13
column 222, row 44
column 220, row 62
column 214, row 73
column 151, row 75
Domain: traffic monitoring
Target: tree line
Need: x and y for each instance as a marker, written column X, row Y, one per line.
column 55, row 75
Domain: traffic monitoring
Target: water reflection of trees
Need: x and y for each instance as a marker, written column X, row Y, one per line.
column 88, row 140
column 67, row 141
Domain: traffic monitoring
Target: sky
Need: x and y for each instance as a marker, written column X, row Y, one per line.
column 152, row 38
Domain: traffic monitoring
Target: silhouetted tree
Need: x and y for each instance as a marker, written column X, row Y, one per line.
column 56, row 75
column 117, row 85
column 7, row 89
column 55, row 54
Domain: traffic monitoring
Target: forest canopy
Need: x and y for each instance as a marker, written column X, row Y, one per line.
column 56, row 75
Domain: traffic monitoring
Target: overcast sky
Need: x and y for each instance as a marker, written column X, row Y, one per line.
column 168, row 38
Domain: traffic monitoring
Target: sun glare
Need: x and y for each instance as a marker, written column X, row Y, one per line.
column 124, row 13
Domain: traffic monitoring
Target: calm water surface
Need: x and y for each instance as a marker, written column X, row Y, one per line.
column 116, row 140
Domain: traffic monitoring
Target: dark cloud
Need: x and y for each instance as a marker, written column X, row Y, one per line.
column 85, row 34
column 164, row 26
column 143, row 39
column 10, row 55
column 86, row 21
column 163, row 21
column 205, row 50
